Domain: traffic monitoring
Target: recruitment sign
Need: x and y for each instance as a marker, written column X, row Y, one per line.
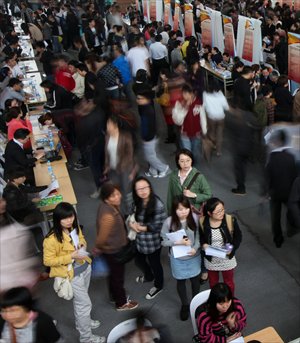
column 294, row 57
column 205, row 20
column 229, row 41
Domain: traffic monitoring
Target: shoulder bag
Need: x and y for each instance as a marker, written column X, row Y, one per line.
column 179, row 113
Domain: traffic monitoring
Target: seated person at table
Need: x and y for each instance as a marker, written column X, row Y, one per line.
column 18, row 204
column 15, row 155
column 226, row 63
column 14, row 122
column 58, row 97
column 12, row 91
column 222, row 318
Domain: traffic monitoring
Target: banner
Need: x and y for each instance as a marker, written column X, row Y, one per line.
column 229, row 41
column 205, row 21
column 188, row 20
column 176, row 16
column 137, row 5
column 294, row 57
column 145, row 4
column 167, row 12
column 248, row 41
column 297, row 5
column 152, row 10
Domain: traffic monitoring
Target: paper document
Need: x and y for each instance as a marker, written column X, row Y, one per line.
column 75, row 238
column 181, row 250
column 238, row 340
column 54, row 185
column 217, row 252
column 176, row 236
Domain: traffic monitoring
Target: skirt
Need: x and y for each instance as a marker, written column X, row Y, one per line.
column 185, row 269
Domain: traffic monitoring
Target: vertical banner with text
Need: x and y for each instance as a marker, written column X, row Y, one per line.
column 297, row 5
column 188, row 20
column 145, row 4
column 176, row 15
column 294, row 57
column 205, row 21
column 248, row 41
column 152, row 10
column 229, row 41
column 167, row 11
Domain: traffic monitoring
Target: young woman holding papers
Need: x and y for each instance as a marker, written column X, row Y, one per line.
column 180, row 231
column 219, row 230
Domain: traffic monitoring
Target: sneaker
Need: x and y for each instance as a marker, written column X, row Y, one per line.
column 96, row 194
column 80, row 166
column 95, row 324
column 149, row 174
column 141, row 279
column 98, row 339
column 164, row 173
column 153, row 293
column 130, row 305
column 237, row 191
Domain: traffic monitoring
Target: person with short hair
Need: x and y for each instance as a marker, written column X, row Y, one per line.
column 111, row 238
column 12, row 91
column 59, row 97
column 284, row 100
column 20, row 321
column 222, row 317
column 63, row 76
column 159, row 57
column 46, row 57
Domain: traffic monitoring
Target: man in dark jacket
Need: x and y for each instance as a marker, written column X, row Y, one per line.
column 242, row 90
column 15, row 155
column 91, row 37
column 58, row 97
column 280, row 174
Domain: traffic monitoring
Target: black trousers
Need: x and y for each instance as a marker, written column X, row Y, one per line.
column 240, row 165
column 151, row 267
column 275, row 208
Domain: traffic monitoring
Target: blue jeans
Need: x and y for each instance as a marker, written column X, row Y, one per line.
column 194, row 145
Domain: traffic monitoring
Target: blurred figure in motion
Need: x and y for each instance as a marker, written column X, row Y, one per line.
column 19, row 265
column 241, row 123
column 144, row 332
column 281, row 172
column 21, row 322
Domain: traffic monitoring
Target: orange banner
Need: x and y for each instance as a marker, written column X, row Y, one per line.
column 248, row 42
column 229, row 46
column 167, row 12
column 297, row 5
column 206, row 28
column 176, row 16
column 188, row 20
column 152, row 10
column 294, row 57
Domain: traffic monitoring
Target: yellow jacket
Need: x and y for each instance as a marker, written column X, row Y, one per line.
column 57, row 255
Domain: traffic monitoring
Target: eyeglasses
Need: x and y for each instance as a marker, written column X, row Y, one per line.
column 219, row 212
column 142, row 189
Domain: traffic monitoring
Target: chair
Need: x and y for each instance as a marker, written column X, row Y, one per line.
column 198, row 300
column 123, row 328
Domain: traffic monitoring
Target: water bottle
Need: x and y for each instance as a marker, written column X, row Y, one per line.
column 49, row 167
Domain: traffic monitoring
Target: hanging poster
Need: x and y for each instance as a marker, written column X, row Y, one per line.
column 248, row 41
column 229, row 41
column 145, row 4
column 297, row 5
column 294, row 57
column 167, row 12
column 137, row 5
column 205, row 20
column 152, row 10
column 176, row 16
column 188, row 20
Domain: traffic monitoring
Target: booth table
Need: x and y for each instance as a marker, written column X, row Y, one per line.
column 29, row 66
column 31, row 84
column 27, row 49
column 227, row 81
column 267, row 335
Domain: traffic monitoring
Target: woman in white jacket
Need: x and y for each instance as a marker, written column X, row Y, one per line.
column 215, row 105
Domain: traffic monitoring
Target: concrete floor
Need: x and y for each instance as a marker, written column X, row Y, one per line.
column 267, row 278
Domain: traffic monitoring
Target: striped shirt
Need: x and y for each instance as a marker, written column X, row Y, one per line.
column 149, row 241
column 214, row 331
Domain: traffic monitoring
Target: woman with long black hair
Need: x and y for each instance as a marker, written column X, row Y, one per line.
column 149, row 216
column 185, row 267
column 65, row 254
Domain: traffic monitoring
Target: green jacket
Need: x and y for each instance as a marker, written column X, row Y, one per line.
column 200, row 187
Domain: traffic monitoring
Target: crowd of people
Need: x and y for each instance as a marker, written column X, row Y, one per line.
column 105, row 101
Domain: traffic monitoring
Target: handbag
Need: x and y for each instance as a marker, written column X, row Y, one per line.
column 131, row 233
column 127, row 253
column 63, row 288
column 100, row 267
column 179, row 113
column 198, row 212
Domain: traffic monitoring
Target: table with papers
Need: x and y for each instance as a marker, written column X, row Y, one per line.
column 32, row 86
column 28, row 66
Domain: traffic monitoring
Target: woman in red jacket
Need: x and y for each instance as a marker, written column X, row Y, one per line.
column 15, row 122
